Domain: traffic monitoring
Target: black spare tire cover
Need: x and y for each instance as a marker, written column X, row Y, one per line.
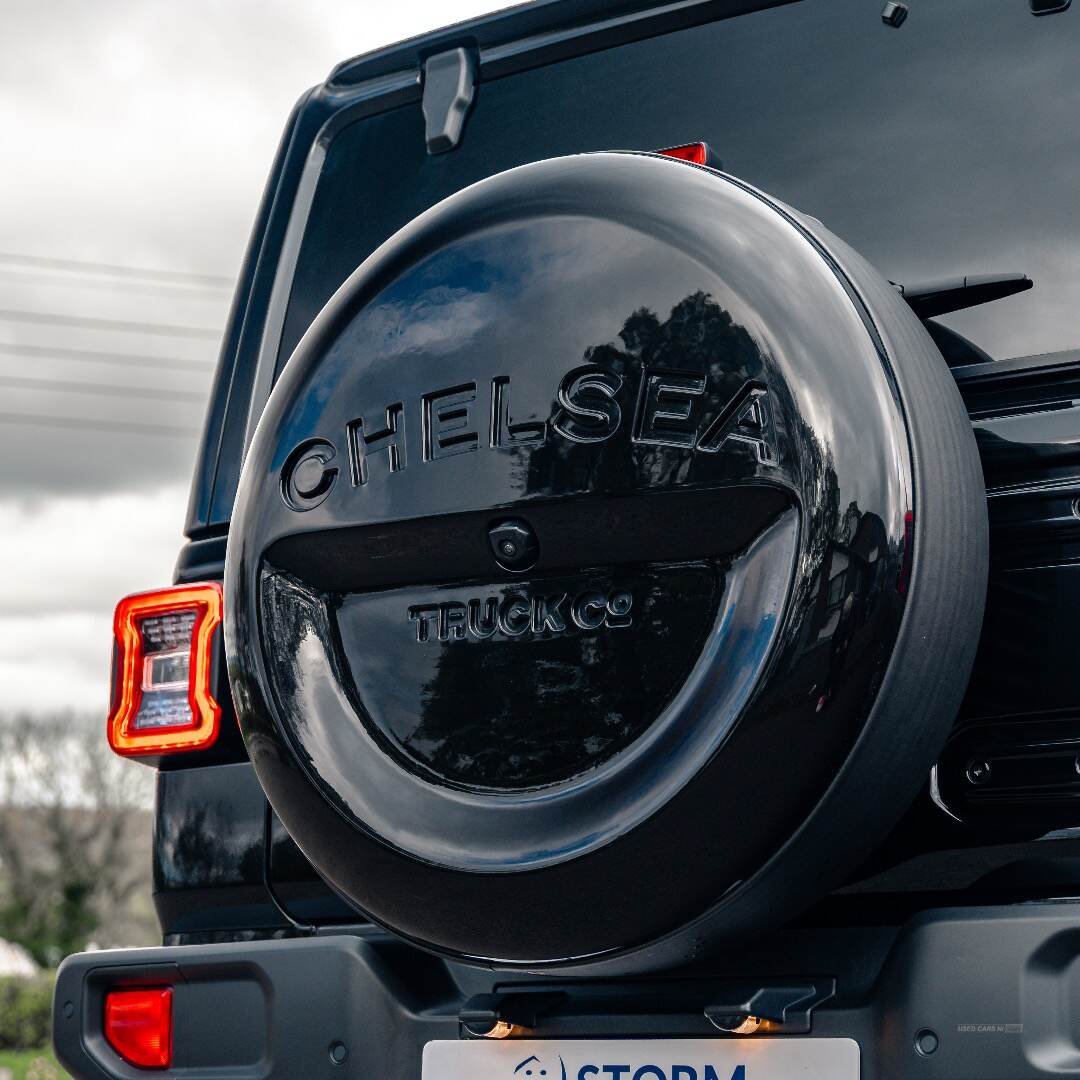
column 606, row 570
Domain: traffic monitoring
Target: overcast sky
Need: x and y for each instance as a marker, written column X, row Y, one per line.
column 135, row 135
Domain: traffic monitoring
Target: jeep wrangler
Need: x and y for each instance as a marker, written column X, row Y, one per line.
column 623, row 631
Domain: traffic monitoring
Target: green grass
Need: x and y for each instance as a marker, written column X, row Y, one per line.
column 31, row 1064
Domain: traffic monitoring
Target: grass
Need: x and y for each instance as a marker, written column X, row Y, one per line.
column 30, row 1064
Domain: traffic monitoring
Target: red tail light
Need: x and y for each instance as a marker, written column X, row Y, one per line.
column 138, row 1026
column 698, row 153
column 163, row 669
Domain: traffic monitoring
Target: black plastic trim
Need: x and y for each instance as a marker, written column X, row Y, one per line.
column 990, row 983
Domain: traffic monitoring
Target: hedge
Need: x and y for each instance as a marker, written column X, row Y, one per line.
column 25, row 1012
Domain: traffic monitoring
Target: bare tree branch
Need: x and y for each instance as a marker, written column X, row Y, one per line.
column 71, row 815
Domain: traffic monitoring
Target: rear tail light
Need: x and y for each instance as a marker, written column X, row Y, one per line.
column 698, row 153
column 138, row 1026
column 163, row 671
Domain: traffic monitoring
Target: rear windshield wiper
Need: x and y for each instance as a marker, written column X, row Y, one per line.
column 931, row 298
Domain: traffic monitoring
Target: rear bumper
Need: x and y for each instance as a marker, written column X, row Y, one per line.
column 996, row 986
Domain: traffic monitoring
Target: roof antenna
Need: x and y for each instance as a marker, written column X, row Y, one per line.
column 894, row 14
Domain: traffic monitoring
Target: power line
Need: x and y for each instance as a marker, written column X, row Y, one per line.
column 19, row 382
column 54, row 279
column 86, row 266
column 91, row 322
column 96, row 425
column 141, row 360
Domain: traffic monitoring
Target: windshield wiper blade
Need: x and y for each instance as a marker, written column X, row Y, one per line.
column 931, row 298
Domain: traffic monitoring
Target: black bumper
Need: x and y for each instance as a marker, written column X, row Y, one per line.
column 996, row 987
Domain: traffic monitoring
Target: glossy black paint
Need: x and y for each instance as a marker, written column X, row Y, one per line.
column 353, row 167
column 209, row 835
column 670, row 87
column 381, row 462
column 591, row 691
column 303, row 896
column 510, row 41
column 448, row 824
column 875, row 180
column 1022, row 707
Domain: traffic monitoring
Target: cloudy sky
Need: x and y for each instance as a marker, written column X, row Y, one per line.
column 137, row 139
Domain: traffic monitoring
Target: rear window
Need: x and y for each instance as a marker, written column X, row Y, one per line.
column 950, row 146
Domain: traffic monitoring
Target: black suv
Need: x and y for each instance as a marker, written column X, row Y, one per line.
column 626, row 625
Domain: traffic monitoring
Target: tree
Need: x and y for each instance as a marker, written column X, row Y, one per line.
column 74, row 837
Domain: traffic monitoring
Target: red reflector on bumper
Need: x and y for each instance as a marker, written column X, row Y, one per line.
column 138, row 1026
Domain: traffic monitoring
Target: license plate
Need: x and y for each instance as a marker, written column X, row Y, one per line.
column 643, row 1059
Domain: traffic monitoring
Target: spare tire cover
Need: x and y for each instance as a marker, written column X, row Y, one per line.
column 606, row 568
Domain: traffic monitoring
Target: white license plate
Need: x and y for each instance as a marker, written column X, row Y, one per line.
column 643, row 1059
